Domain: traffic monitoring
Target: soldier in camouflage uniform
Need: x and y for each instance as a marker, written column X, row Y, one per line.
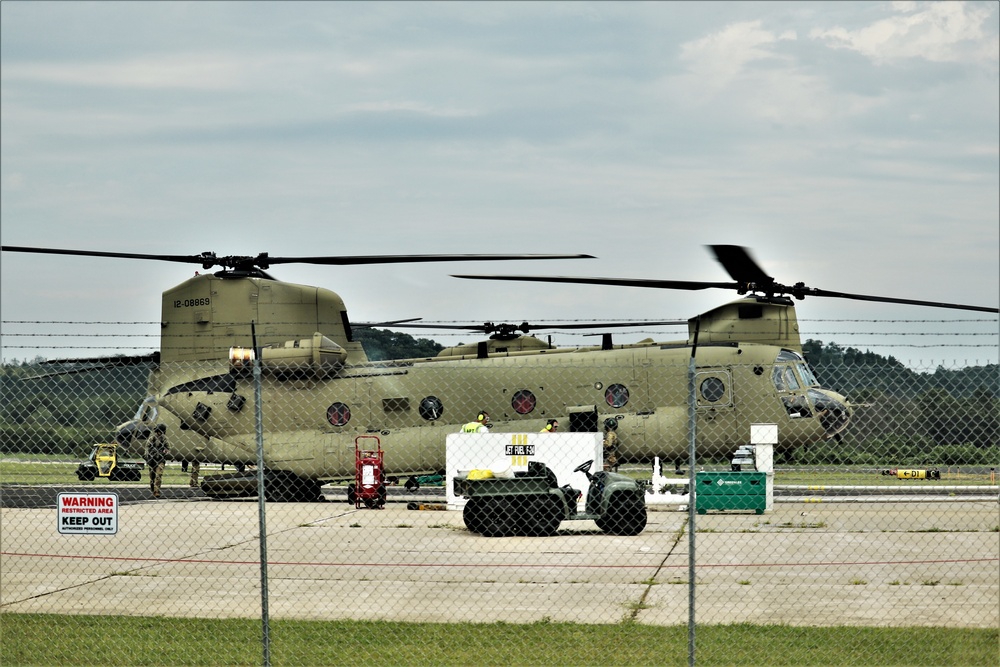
column 157, row 451
column 611, row 444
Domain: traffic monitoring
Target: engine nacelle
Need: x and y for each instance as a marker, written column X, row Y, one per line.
column 316, row 356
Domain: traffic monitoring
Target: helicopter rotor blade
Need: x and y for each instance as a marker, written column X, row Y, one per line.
column 611, row 325
column 739, row 264
column 390, row 323
column 192, row 259
column 95, row 364
column 263, row 261
column 749, row 276
column 524, row 327
column 618, row 282
column 411, row 259
column 810, row 291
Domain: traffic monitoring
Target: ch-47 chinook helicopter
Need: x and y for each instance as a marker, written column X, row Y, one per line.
column 320, row 393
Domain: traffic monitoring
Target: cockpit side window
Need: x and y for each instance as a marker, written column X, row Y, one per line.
column 778, row 377
column 791, row 382
column 784, row 378
column 808, row 378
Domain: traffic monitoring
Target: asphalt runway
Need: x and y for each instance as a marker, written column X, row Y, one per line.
column 809, row 562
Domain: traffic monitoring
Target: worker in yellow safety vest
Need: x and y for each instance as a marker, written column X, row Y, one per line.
column 481, row 425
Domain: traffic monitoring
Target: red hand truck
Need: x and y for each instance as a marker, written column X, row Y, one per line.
column 369, row 475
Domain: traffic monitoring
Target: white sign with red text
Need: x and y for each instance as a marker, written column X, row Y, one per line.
column 87, row 513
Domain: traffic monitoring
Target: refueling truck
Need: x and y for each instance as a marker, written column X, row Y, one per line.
column 533, row 503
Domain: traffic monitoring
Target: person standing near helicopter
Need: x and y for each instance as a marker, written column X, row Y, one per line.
column 481, row 425
column 611, row 444
column 551, row 426
column 157, row 451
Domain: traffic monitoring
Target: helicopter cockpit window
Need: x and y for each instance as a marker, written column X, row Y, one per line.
column 431, row 408
column 788, row 355
column 338, row 414
column 791, row 381
column 778, row 377
column 523, row 402
column 616, row 395
column 807, row 375
column 784, row 378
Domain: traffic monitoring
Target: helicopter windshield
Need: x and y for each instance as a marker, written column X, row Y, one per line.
column 791, row 372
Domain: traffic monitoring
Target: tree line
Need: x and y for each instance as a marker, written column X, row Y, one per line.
column 904, row 417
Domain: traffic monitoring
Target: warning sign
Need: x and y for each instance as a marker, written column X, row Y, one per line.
column 87, row 513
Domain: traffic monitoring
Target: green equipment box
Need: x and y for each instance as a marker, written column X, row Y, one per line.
column 731, row 491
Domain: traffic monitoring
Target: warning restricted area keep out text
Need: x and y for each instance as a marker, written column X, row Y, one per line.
column 87, row 513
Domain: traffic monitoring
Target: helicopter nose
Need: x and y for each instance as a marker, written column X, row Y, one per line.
column 833, row 410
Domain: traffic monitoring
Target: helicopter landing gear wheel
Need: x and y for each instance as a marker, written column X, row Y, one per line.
column 285, row 487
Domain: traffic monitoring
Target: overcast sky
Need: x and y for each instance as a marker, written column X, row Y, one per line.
column 854, row 146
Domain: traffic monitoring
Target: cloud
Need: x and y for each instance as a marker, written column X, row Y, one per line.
column 943, row 32
column 746, row 74
column 187, row 72
column 719, row 58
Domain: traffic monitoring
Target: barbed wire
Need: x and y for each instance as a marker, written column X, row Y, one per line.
column 146, row 342
column 120, row 347
column 680, row 321
column 466, row 334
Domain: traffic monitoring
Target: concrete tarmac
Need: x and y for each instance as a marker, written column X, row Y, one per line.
column 806, row 563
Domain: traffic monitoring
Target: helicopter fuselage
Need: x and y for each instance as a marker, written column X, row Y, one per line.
column 319, row 392
column 311, row 423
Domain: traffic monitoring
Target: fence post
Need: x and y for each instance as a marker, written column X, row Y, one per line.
column 692, row 512
column 261, row 503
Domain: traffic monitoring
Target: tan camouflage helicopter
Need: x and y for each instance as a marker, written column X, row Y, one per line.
column 320, row 393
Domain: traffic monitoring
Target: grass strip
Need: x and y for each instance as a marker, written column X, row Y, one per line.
column 34, row 639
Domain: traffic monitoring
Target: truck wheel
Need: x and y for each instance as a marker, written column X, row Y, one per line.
column 472, row 516
column 352, row 495
column 377, row 501
column 497, row 518
column 626, row 516
column 547, row 514
column 85, row 474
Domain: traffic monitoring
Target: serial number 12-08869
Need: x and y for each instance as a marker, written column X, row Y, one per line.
column 189, row 303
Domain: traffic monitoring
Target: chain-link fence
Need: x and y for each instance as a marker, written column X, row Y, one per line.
column 868, row 498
